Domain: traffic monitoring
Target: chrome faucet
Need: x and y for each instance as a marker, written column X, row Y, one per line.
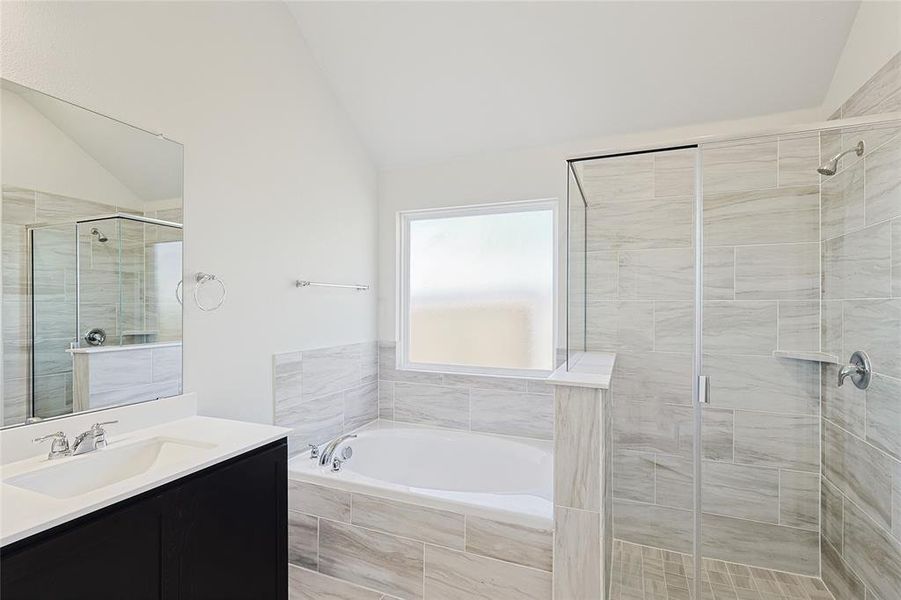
column 325, row 456
column 858, row 370
column 92, row 439
column 60, row 446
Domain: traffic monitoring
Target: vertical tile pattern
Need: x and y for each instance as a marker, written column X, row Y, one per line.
column 324, row 392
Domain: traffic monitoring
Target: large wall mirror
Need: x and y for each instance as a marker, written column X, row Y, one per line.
column 92, row 259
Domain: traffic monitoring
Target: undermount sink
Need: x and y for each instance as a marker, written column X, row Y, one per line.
column 88, row 472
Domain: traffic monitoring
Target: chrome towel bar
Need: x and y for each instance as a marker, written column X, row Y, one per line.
column 354, row 286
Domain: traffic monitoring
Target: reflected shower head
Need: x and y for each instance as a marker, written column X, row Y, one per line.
column 101, row 237
column 829, row 168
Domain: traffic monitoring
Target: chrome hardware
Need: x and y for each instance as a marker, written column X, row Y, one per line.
column 360, row 287
column 314, row 450
column 703, row 389
column 92, row 439
column 859, row 371
column 346, row 453
column 202, row 279
column 336, row 465
column 60, row 446
column 95, row 337
column 325, row 457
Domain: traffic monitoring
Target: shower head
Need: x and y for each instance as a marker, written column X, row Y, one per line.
column 101, row 237
column 829, row 168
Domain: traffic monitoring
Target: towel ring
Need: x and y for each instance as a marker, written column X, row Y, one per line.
column 177, row 289
column 202, row 279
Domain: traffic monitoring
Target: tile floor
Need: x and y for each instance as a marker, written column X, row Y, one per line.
column 646, row 573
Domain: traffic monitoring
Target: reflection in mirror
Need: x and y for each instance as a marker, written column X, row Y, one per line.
column 92, row 256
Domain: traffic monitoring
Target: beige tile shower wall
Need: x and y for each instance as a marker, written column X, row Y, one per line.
column 881, row 94
column 500, row 405
column 762, row 288
column 861, row 429
column 349, row 545
column 324, row 392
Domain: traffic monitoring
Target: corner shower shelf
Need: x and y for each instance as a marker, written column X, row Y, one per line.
column 810, row 355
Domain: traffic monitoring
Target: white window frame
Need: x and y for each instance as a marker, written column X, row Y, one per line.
column 402, row 326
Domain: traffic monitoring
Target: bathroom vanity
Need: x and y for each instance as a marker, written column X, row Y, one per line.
column 195, row 507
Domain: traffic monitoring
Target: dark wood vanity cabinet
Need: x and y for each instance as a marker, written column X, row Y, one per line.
column 218, row 534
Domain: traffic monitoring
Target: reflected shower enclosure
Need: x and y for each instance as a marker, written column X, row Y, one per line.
column 101, row 281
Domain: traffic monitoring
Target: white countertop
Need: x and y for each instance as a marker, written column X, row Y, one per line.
column 587, row 369
column 24, row 512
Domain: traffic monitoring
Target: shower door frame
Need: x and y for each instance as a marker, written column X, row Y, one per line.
column 701, row 383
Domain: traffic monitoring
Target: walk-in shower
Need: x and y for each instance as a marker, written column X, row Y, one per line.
column 107, row 280
column 734, row 260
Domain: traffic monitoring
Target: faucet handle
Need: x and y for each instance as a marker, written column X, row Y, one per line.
column 314, row 450
column 102, row 423
column 100, row 433
column 59, row 447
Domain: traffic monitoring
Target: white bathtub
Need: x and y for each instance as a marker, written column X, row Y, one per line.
column 470, row 473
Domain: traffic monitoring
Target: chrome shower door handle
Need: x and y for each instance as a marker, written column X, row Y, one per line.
column 703, row 389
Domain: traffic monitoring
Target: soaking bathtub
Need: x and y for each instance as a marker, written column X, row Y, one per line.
column 496, row 477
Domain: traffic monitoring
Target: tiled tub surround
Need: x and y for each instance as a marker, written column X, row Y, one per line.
column 861, row 430
column 324, row 392
column 761, row 294
column 500, row 405
column 358, row 534
column 106, row 376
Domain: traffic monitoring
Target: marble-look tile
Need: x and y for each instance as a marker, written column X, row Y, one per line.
column 117, row 370
column 664, row 274
column 18, row 206
column 330, row 370
column 515, row 543
column 577, row 560
column 842, row 198
column 859, row 264
column 799, row 499
column 741, row 491
column 361, row 405
column 772, row 216
column 601, row 274
column 740, row 328
column 452, row 575
column 872, row 553
column 846, row 405
column 786, row 441
column 652, row 428
column 719, row 273
column 371, row 559
column 315, row 420
column 799, row 157
column 369, row 362
column 304, row 584
column 717, row 434
column 861, row 472
column 872, row 97
column 484, row 382
column 780, row 385
column 421, row 523
column 166, row 364
column 781, row 271
column 621, row 325
column 883, row 182
column 769, row 546
column 617, row 178
column 633, row 475
column 674, row 481
column 896, row 500
column 650, row 525
column 896, row 258
column 319, row 500
column 132, row 393
column 442, row 406
column 674, row 172
column 386, row 400
column 799, row 325
column 874, row 326
column 303, row 540
column 673, row 326
column 831, row 509
column 740, row 166
column 655, row 377
column 388, row 370
column 512, row 413
column 640, row 223
column 50, row 208
column 883, row 414
column 839, row 579
column 577, row 439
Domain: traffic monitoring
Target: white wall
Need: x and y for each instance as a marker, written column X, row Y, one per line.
column 269, row 162
column 874, row 38
column 38, row 156
column 524, row 174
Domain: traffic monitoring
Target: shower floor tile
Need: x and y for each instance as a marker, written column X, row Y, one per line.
column 646, row 573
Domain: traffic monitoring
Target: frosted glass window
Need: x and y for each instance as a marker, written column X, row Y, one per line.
column 480, row 288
